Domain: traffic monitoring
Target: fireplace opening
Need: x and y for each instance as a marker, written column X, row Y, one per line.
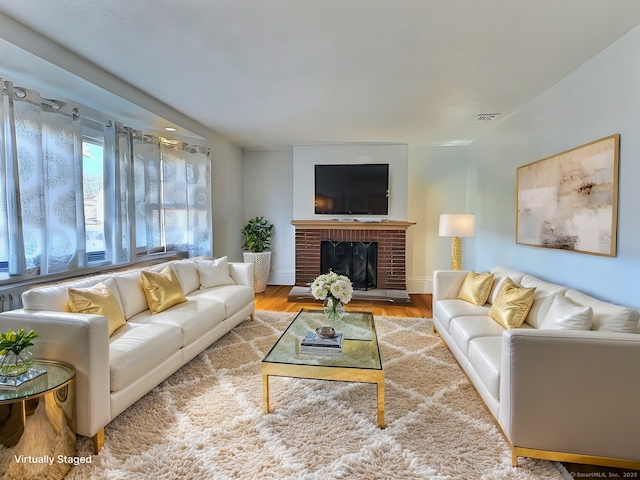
column 358, row 261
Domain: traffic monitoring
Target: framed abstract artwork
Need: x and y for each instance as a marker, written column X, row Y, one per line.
column 569, row 201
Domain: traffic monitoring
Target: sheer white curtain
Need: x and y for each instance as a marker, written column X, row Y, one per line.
column 41, row 201
column 199, row 199
column 156, row 191
column 175, row 179
column 162, row 195
column 119, row 204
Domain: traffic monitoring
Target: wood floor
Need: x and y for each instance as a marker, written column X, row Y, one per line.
column 275, row 298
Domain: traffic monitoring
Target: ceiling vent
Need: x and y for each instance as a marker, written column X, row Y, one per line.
column 486, row 117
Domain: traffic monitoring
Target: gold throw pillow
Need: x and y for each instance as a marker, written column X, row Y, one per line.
column 512, row 304
column 99, row 300
column 476, row 288
column 162, row 289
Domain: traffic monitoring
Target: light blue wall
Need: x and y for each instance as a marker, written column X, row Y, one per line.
column 600, row 98
column 226, row 197
column 268, row 191
column 438, row 183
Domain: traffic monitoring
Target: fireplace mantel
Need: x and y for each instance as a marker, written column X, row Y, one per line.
column 351, row 225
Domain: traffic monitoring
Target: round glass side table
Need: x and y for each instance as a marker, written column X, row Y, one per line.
column 38, row 423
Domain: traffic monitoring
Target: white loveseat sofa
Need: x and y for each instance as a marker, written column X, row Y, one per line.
column 556, row 394
column 113, row 372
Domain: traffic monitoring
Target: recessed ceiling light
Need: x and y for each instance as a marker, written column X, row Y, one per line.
column 170, row 129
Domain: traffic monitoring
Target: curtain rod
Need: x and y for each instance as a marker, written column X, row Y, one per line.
column 142, row 134
column 95, row 120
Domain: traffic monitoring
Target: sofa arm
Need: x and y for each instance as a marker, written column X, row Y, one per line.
column 242, row 273
column 447, row 283
column 571, row 391
column 79, row 340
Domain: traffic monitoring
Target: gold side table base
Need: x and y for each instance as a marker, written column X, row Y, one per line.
column 38, row 428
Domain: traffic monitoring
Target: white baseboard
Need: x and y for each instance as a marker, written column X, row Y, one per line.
column 282, row 277
column 420, row 284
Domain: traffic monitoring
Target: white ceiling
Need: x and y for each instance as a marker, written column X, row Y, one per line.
column 272, row 73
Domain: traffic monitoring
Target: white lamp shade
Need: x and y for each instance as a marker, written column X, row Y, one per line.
column 457, row 225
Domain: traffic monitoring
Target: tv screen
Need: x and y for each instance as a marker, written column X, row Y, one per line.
column 355, row 189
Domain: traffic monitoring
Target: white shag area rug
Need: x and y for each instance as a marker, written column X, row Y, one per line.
column 206, row 420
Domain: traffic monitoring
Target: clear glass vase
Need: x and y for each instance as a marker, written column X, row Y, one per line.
column 12, row 365
column 333, row 308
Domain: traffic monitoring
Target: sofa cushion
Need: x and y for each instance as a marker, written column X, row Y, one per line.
column 187, row 274
column 465, row 329
column 233, row 297
column 162, row 289
column 512, row 304
column 214, row 273
column 98, row 300
column 55, row 298
column 542, row 298
column 564, row 314
column 446, row 310
column 484, row 357
column 195, row 317
column 607, row 317
column 133, row 298
column 136, row 348
column 499, row 274
column 476, row 287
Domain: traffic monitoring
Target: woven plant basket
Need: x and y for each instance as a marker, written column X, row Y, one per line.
column 261, row 263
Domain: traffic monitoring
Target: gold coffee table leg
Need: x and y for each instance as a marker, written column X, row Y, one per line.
column 265, row 393
column 381, row 404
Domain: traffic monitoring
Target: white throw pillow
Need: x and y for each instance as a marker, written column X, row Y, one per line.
column 607, row 317
column 214, row 273
column 567, row 315
column 131, row 292
column 188, row 275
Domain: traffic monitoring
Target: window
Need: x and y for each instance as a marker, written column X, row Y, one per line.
column 172, row 183
column 93, row 195
column 139, row 194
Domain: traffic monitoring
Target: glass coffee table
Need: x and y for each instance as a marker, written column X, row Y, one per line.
column 360, row 360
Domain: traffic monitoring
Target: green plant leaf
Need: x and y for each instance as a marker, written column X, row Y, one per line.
column 257, row 235
column 16, row 342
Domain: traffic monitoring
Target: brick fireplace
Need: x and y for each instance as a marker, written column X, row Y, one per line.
column 389, row 235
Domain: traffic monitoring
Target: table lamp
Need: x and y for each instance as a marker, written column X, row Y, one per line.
column 456, row 225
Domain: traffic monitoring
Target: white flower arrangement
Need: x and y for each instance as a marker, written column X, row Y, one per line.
column 332, row 285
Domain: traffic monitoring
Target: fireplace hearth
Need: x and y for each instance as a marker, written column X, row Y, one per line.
column 358, row 261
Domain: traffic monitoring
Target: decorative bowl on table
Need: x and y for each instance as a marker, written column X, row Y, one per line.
column 325, row 332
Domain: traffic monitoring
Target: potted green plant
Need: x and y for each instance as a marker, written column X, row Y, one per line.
column 257, row 241
column 16, row 357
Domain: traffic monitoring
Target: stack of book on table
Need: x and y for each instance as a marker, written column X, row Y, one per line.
column 312, row 343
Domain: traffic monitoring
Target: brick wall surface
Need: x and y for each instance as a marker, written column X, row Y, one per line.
column 391, row 253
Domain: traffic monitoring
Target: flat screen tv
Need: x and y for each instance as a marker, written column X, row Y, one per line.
column 354, row 189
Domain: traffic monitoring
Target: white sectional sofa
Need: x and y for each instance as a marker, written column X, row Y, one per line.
column 113, row 372
column 556, row 394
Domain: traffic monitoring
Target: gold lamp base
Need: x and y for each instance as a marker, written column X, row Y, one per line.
column 456, row 253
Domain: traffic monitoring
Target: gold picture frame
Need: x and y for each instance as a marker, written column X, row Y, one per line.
column 569, row 201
